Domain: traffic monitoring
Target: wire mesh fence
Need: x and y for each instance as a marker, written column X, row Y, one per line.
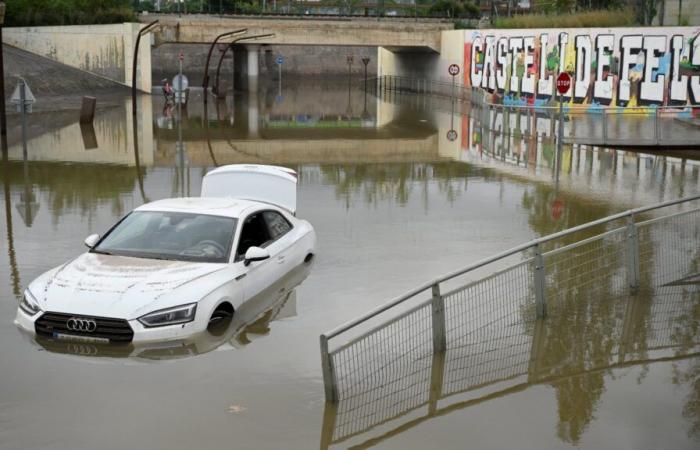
column 567, row 298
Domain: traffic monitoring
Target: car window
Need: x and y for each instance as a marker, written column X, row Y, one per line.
column 253, row 234
column 276, row 223
column 171, row 235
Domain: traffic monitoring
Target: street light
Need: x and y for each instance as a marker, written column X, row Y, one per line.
column 134, row 64
column 205, row 82
column 3, row 118
column 230, row 45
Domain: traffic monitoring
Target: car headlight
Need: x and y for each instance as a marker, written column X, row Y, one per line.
column 29, row 304
column 170, row 316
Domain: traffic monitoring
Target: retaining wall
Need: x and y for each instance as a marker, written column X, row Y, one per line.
column 103, row 50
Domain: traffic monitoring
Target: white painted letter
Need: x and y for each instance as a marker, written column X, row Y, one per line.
column 629, row 47
column 515, row 44
column 583, row 66
column 528, row 86
column 544, row 85
column 489, row 78
column 653, row 90
column 502, row 56
column 475, row 74
column 603, row 88
column 679, row 83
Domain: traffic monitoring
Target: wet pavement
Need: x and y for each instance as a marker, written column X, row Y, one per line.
column 395, row 200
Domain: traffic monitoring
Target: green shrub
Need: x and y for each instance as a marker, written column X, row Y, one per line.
column 67, row 12
column 599, row 18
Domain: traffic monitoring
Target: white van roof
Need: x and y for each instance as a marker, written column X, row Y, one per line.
column 268, row 184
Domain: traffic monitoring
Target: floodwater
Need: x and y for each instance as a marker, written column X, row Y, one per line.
column 396, row 199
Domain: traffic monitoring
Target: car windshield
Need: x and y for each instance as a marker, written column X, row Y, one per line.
column 170, row 235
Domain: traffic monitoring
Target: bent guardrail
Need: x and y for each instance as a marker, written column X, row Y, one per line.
column 549, row 272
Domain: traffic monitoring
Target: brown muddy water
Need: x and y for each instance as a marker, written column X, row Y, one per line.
column 394, row 202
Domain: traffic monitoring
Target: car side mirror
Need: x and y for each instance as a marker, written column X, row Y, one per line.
column 91, row 240
column 255, row 254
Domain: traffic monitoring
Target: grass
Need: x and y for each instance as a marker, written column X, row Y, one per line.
column 599, row 18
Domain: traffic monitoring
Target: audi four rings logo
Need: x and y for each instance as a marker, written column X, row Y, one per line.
column 78, row 324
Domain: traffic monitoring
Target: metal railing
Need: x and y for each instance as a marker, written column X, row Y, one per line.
column 549, row 272
column 631, row 126
column 595, row 335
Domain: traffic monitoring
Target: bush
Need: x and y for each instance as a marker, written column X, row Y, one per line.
column 599, row 18
column 454, row 8
column 67, row 12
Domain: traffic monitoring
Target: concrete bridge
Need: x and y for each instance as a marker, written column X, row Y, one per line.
column 396, row 35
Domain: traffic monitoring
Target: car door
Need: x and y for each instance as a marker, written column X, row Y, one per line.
column 257, row 275
column 281, row 241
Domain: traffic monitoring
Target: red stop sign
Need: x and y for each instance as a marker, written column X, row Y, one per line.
column 563, row 83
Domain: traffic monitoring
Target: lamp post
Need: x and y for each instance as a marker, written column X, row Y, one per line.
column 230, row 45
column 205, row 82
column 134, row 64
column 3, row 117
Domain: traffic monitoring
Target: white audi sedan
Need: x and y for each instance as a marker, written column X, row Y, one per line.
column 171, row 268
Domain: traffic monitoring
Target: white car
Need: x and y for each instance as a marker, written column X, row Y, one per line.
column 171, row 268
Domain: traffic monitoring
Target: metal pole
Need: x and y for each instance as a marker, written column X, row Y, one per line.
column 632, row 254
column 181, row 94
column 438, row 320
column 279, row 79
column 3, row 116
column 23, row 109
column 329, row 383
column 205, row 82
column 134, row 63
column 561, row 123
column 540, row 297
column 656, row 125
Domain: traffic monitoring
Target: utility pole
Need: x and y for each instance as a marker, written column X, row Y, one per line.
column 680, row 11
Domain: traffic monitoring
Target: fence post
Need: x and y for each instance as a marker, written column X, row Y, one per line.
column 540, row 297
column 632, row 254
column 605, row 127
column 329, row 384
column 438, row 308
column 656, row 125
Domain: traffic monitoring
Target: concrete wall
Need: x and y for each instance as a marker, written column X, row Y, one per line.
column 299, row 61
column 104, row 50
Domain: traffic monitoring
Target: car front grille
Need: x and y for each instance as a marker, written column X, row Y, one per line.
column 116, row 330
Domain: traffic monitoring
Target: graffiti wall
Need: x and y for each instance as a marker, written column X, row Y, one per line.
column 619, row 67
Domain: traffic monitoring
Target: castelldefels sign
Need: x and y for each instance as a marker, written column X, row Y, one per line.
column 609, row 67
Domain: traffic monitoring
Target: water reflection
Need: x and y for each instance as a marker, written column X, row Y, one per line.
column 382, row 184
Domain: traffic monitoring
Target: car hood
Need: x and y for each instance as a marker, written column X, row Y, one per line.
column 119, row 286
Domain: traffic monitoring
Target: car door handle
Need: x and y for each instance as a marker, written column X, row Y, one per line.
column 280, row 259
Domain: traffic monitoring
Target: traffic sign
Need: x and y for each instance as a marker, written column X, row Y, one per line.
column 451, row 135
column 29, row 98
column 453, row 70
column 280, row 59
column 563, row 83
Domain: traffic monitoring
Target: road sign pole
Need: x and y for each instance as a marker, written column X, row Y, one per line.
column 23, row 109
column 561, row 124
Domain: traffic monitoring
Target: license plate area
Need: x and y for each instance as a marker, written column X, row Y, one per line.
column 77, row 338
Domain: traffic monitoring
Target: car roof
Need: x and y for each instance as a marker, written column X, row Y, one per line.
column 226, row 207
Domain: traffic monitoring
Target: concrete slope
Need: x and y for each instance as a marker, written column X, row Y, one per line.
column 48, row 79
